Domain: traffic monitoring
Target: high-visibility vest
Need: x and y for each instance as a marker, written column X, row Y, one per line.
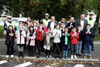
column 46, row 22
column 7, row 23
column 91, row 22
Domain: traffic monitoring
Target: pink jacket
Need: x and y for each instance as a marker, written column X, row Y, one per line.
column 22, row 37
column 32, row 43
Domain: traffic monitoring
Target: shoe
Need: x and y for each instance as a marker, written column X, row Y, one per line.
column 71, row 56
column 85, row 57
column 47, row 57
column 50, row 56
column 7, row 56
column 90, row 57
column 12, row 56
column 75, row 57
column 19, row 54
column 79, row 55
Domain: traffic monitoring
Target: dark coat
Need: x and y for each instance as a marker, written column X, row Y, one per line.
column 73, row 25
column 50, row 24
column 63, row 38
column 91, row 36
column 78, row 23
column 7, row 41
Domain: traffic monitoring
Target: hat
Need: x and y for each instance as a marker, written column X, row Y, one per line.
column 91, row 13
column 9, row 16
column 47, row 14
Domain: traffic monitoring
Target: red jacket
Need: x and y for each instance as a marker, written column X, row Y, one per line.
column 40, row 34
column 73, row 39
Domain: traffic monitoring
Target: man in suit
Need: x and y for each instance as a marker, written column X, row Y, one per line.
column 83, row 22
column 52, row 23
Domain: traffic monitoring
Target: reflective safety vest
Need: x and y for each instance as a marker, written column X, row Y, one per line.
column 46, row 22
column 7, row 23
column 91, row 22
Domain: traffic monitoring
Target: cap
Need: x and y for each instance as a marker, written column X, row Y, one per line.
column 47, row 14
column 91, row 13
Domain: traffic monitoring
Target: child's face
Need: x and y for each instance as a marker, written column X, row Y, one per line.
column 20, row 27
column 35, row 24
column 62, row 25
column 79, row 27
column 74, row 30
column 48, row 30
column 31, row 28
column 10, row 28
column 57, row 27
column 88, row 27
column 26, row 25
column 41, row 25
column 66, row 29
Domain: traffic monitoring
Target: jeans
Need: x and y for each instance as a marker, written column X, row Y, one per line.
column 87, row 47
column 65, row 47
column 78, row 48
column 73, row 49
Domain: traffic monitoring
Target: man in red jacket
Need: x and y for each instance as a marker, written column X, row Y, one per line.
column 73, row 41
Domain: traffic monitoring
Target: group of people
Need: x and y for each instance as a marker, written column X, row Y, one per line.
column 52, row 38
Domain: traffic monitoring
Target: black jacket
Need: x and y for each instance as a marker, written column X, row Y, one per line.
column 91, row 36
column 81, row 35
column 7, row 41
column 73, row 25
column 63, row 38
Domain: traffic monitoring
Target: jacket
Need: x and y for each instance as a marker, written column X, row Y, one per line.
column 22, row 37
column 7, row 41
column 32, row 38
column 73, row 39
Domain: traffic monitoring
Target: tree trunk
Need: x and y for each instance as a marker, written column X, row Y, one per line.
column 97, row 21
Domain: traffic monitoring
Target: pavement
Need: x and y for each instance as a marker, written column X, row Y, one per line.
column 6, row 62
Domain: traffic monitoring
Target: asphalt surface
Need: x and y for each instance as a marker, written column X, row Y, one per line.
column 12, row 63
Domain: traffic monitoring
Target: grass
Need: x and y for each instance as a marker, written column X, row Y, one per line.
column 1, row 31
column 97, row 37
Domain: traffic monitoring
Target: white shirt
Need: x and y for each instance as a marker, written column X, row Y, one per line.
column 82, row 23
column 57, row 37
column 52, row 26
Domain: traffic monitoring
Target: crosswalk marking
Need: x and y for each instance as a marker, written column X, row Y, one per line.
column 3, row 61
column 24, row 64
column 79, row 65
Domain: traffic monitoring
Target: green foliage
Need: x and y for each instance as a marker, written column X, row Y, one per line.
column 59, row 8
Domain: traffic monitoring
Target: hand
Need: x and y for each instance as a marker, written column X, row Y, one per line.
column 89, row 32
column 86, row 32
column 12, row 34
column 78, row 31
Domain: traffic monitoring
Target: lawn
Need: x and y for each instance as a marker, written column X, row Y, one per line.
column 97, row 37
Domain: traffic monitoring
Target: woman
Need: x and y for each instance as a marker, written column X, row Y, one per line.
column 10, row 41
column 63, row 20
column 71, row 24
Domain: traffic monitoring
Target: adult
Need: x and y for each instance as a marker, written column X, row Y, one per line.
column 63, row 20
column 91, row 21
column 46, row 19
column 83, row 22
column 29, row 21
column 8, row 22
column 71, row 24
column 52, row 24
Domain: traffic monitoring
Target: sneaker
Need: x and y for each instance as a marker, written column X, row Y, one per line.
column 12, row 56
column 7, row 56
column 90, row 57
column 71, row 56
column 85, row 57
column 75, row 57
column 46, row 57
column 50, row 56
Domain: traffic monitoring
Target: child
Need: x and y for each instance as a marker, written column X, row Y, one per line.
column 10, row 41
column 89, row 34
column 20, row 35
column 47, row 43
column 57, row 35
column 31, row 40
column 79, row 44
column 73, row 41
column 39, row 37
column 65, row 40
